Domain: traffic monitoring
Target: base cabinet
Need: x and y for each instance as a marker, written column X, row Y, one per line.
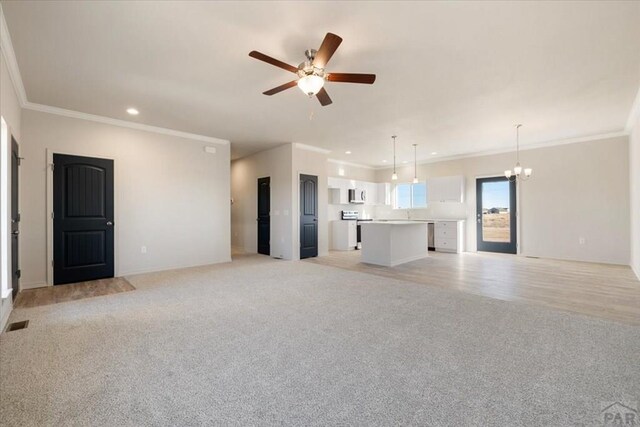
column 448, row 236
column 344, row 235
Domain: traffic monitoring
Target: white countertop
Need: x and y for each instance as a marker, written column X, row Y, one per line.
column 420, row 220
column 393, row 222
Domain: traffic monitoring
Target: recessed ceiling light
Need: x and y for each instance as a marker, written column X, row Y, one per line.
column 133, row 111
column 347, row 152
column 433, row 153
column 384, row 161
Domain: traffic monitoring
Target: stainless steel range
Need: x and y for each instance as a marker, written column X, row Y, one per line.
column 350, row 215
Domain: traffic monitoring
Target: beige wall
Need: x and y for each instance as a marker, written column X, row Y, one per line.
column 577, row 190
column 351, row 171
column 276, row 164
column 284, row 165
column 311, row 163
column 11, row 112
column 634, row 180
column 170, row 195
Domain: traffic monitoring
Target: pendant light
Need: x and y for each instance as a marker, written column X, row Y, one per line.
column 394, row 176
column 415, row 165
column 516, row 174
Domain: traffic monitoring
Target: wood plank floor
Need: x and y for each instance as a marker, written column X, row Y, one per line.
column 72, row 292
column 601, row 290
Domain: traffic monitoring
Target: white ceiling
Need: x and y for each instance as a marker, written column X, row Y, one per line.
column 451, row 76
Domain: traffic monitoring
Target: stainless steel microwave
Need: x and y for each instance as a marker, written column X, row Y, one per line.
column 357, row 195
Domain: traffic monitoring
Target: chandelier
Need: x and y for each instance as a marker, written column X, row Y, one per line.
column 516, row 173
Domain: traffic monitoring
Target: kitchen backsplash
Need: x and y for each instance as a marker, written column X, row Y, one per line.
column 435, row 210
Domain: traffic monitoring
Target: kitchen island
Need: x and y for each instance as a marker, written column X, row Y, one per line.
column 391, row 243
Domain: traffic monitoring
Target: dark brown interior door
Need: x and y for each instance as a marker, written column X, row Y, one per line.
column 264, row 221
column 308, row 216
column 15, row 219
column 83, row 219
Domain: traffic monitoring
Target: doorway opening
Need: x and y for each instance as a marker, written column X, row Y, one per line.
column 496, row 215
column 308, row 216
column 264, row 218
column 83, row 219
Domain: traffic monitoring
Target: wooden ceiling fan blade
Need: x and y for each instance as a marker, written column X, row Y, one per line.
column 323, row 97
column 352, row 78
column 327, row 49
column 281, row 88
column 269, row 60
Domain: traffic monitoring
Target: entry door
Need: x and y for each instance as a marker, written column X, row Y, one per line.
column 83, row 219
column 496, row 215
column 308, row 216
column 264, row 220
column 15, row 219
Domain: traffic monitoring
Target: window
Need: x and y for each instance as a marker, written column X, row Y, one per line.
column 411, row 195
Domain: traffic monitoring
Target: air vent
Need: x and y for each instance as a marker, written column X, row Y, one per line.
column 17, row 325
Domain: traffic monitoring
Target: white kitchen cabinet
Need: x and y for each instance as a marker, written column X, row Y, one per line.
column 446, row 189
column 344, row 235
column 335, row 196
column 372, row 193
column 383, row 193
column 376, row 194
column 338, row 191
column 448, row 236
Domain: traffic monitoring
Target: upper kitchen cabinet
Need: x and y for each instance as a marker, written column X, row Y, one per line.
column 446, row 189
column 375, row 194
column 383, row 193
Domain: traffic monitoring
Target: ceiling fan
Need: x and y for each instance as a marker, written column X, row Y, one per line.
column 312, row 74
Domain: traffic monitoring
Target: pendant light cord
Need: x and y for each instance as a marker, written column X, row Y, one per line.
column 394, row 153
column 415, row 162
column 518, row 143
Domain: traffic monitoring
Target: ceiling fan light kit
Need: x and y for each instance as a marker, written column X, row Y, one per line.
column 312, row 74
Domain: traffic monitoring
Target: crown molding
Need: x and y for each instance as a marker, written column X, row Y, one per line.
column 357, row 165
column 533, row 146
column 122, row 123
column 311, row 148
column 634, row 114
column 6, row 47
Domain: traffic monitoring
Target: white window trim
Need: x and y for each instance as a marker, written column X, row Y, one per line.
column 410, row 184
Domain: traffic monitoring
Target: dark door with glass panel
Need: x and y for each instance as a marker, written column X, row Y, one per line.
column 264, row 221
column 83, row 219
column 308, row 216
column 15, row 220
column 496, row 215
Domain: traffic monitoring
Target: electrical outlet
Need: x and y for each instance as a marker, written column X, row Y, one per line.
column 143, row 250
column 582, row 240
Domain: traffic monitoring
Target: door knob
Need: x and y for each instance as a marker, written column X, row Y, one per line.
column 109, row 223
column 16, row 232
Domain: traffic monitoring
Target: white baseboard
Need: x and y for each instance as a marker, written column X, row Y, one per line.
column 35, row 285
column 176, row 267
column 5, row 316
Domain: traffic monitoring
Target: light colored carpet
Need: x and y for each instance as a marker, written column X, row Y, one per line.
column 264, row 342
